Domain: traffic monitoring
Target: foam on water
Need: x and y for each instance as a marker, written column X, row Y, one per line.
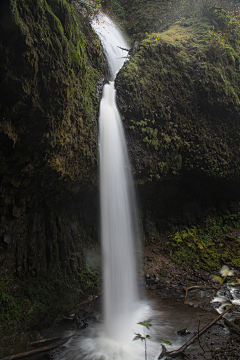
column 94, row 343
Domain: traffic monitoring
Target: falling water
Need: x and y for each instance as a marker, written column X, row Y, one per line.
column 112, row 41
column 112, row 339
column 118, row 207
column 122, row 310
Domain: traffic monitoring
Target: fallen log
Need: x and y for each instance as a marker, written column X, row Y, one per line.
column 44, row 341
column 37, row 351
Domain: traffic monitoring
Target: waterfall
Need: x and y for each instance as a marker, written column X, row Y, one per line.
column 118, row 205
column 122, row 310
column 112, row 40
column 112, row 338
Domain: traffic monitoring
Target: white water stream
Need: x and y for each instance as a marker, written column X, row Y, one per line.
column 118, row 206
column 112, row 40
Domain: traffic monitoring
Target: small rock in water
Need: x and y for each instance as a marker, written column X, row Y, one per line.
column 183, row 332
column 150, row 281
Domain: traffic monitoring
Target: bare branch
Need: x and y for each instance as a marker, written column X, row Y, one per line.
column 196, row 287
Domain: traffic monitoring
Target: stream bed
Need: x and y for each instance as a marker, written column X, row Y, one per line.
column 172, row 321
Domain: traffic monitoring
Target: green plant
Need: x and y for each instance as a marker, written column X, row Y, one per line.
column 138, row 336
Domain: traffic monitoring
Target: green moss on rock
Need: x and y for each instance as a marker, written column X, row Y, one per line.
column 51, row 61
column 52, row 71
column 208, row 246
column 179, row 97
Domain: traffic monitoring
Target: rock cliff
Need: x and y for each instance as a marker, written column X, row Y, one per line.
column 179, row 100
column 52, row 71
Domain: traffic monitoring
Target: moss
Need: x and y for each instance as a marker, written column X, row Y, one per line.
column 179, row 94
column 60, row 61
column 206, row 247
column 140, row 17
column 64, row 221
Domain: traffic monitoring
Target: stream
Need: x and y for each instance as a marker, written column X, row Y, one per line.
column 171, row 321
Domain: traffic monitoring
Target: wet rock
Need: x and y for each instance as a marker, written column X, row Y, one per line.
column 234, row 328
column 183, row 332
column 150, row 280
column 83, row 318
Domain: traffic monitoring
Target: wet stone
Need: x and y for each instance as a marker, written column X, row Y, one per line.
column 183, row 332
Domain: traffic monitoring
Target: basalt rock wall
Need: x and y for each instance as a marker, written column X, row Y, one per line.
column 51, row 73
column 179, row 100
